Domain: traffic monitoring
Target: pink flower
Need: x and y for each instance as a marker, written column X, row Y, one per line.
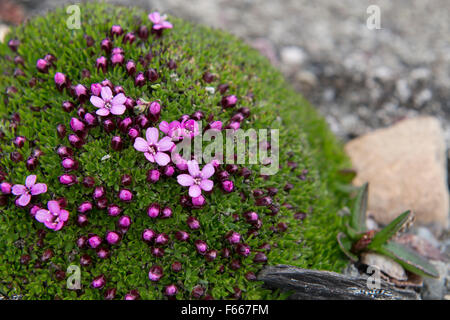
column 197, row 180
column 177, row 130
column 31, row 188
column 154, row 149
column 109, row 103
column 53, row 218
column 159, row 22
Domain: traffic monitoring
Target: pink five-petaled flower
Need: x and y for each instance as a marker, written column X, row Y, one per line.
column 159, row 22
column 31, row 188
column 197, row 180
column 177, row 130
column 154, row 149
column 109, row 103
column 53, row 218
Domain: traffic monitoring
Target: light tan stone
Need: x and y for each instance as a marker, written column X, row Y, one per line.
column 3, row 32
column 405, row 166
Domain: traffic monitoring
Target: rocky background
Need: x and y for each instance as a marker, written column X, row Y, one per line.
column 360, row 80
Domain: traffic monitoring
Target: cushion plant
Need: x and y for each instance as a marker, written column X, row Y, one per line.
column 87, row 123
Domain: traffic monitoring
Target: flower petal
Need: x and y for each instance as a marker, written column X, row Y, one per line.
column 165, row 144
column 166, row 25
column 18, row 189
column 38, row 188
column 154, row 17
column 102, row 112
column 162, row 158
column 149, row 157
column 118, row 109
column 53, row 206
column 43, row 215
column 97, row 102
column 119, row 99
column 152, row 135
column 185, row 180
column 164, row 126
column 106, row 93
column 50, row 224
column 30, row 181
column 64, row 215
column 206, row 184
column 207, row 171
column 194, row 191
column 193, row 168
column 23, row 200
column 140, row 144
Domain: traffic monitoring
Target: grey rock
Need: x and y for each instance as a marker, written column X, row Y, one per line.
column 436, row 289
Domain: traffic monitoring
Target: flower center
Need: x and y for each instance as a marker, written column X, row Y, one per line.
column 197, row 180
column 152, row 149
column 108, row 105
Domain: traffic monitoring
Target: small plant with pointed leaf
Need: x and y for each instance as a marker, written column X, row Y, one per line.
column 357, row 239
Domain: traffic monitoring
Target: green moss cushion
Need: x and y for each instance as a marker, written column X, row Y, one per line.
column 194, row 66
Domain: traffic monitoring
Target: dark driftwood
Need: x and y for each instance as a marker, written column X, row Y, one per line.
column 312, row 284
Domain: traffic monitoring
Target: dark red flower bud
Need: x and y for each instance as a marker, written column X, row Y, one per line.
column 13, row 44
column 153, row 175
column 89, row 40
column 197, row 292
column 169, row 170
column 172, row 64
column 102, row 203
column 166, row 213
column 68, row 106
column 69, row 164
column 243, row 249
column 129, row 38
column 85, row 207
column 177, row 266
column 116, row 30
column 143, row 32
column 148, row 235
column 103, row 253
column 139, row 80
column 19, row 60
column 185, row 201
column 211, row 255
column 15, row 156
column 197, row 115
column 82, row 242
column 50, row 58
column 282, row 227
column 114, row 210
column 124, row 222
column 75, row 141
column 125, row 180
column 25, row 259
column 245, row 172
column 47, row 255
column 142, row 121
column 110, row 294
column 109, row 125
column 226, row 253
column 99, row 192
column 98, row 282
column 125, row 124
column 208, row 77
column 223, row 88
column 153, row 210
column 151, row 75
column 232, row 168
column 101, row 63
column 201, row 246
column 264, row 201
column 116, row 143
column 170, row 290
column 60, row 275
column 131, row 67
column 42, row 66
column 82, row 220
column 132, row 295
column 88, row 182
column 85, row 260
column 90, row 119
column 31, row 163
column 237, row 293
column 235, row 264
column 162, row 239
column 157, row 252
column 193, row 223
column 260, row 258
column 300, row 215
column 117, row 59
column 227, row 186
column 155, row 273
column 182, row 235
column 61, row 130
column 106, row 45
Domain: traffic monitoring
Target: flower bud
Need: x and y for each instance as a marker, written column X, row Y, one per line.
column 197, row 292
column 129, row 38
column 68, row 106
column 282, row 227
column 233, row 237
column 75, row 141
column 125, row 180
column 90, row 119
column 148, row 235
column 116, row 143
column 232, row 168
column 228, row 101
column 96, row 89
column 89, row 40
column 85, row 260
column 154, row 111
column 16, row 156
column 116, row 30
column 68, row 179
column 61, row 130
column 181, row 235
column 166, row 213
column 226, row 253
column 124, row 222
column 243, row 249
column 132, row 295
column 101, row 63
column 13, row 44
column 201, row 246
column 60, row 80
column 85, row 207
column 155, row 273
column 260, row 258
column 169, row 170
column 31, row 163
column 157, row 252
column 245, row 172
column 106, row 45
column 6, row 187
column 19, row 141
column 153, row 176
column 82, row 220
column 211, row 255
column 198, row 201
column 109, row 125
column 143, row 32
column 208, row 77
column 130, row 67
column 98, row 282
column 177, row 266
column 125, row 195
column 94, row 241
column 82, row 242
column 125, row 124
column 162, row 239
column 112, row 237
column 264, row 201
column 69, row 164
column 193, row 223
column 235, row 264
column 170, row 290
column 251, row 216
column 42, row 66
column 153, row 210
column 80, row 92
column 114, row 210
column 110, row 294
column 227, row 186
column 139, row 80
column 152, row 75
column 133, row 133
column 117, row 59
column 99, row 192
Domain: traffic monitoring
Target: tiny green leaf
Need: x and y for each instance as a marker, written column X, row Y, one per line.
column 345, row 244
column 390, row 230
column 358, row 214
column 409, row 259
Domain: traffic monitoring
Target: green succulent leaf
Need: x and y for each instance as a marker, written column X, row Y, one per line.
column 390, row 230
column 358, row 214
column 346, row 244
column 408, row 258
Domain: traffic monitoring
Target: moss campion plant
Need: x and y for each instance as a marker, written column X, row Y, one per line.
column 88, row 119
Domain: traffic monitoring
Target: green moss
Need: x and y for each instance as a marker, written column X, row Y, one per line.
column 304, row 139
